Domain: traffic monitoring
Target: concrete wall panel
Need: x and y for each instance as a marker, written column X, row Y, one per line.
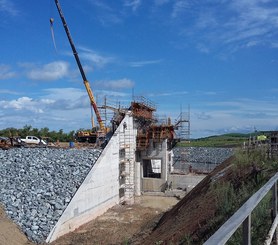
column 98, row 192
column 187, row 182
column 153, row 184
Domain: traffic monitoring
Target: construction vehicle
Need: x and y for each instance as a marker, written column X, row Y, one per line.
column 93, row 135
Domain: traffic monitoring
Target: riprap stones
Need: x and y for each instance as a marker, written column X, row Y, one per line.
column 36, row 185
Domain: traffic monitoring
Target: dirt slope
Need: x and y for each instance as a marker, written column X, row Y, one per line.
column 200, row 213
column 10, row 234
column 188, row 219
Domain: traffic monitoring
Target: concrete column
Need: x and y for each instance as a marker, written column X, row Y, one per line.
column 137, row 178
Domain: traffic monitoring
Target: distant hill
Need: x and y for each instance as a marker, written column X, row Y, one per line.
column 224, row 140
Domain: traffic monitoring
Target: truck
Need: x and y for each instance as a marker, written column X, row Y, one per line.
column 33, row 140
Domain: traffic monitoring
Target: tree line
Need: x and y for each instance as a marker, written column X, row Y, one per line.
column 43, row 133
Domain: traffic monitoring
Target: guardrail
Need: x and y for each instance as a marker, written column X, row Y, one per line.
column 243, row 216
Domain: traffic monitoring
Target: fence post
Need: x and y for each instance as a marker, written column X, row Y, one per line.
column 274, row 208
column 247, row 231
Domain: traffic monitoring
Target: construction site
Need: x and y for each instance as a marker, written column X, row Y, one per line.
column 135, row 157
column 130, row 153
column 52, row 192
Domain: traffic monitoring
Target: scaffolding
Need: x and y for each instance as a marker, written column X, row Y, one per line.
column 155, row 134
column 127, row 158
column 108, row 111
column 182, row 124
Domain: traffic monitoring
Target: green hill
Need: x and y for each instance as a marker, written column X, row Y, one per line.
column 224, row 140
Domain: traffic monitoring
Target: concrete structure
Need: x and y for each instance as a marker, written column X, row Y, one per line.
column 101, row 188
column 122, row 171
column 185, row 182
column 155, row 163
column 155, row 166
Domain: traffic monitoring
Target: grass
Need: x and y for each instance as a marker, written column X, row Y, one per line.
column 260, row 221
column 231, row 193
column 225, row 140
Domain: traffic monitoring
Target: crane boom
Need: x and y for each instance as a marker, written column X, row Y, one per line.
column 85, row 81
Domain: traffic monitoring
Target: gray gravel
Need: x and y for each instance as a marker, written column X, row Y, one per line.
column 36, row 184
column 200, row 158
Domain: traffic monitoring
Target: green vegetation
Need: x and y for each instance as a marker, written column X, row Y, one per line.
column 225, row 140
column 43, row 132
column 235, row 189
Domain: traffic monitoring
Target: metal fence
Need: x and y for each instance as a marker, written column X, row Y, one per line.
column 243, row 216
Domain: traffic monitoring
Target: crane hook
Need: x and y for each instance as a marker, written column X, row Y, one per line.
column 52, row 33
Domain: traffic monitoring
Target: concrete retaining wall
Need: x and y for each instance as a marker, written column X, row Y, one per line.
column 187, row 182
column 98, row 192
column 153, row 185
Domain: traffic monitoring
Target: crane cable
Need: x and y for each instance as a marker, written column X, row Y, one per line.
column 52, row 33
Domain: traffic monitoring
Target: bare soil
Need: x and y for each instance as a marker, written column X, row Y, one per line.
column 10, row 234
column 119, row 223
column 116, row 226
column 193, row 219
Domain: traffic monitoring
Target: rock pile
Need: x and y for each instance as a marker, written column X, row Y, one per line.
column 202, row 158
column 36, row 185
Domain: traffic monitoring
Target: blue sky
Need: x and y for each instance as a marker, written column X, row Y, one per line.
column 218, row 56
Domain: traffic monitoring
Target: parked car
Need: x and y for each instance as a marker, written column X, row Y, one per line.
column 33, row 140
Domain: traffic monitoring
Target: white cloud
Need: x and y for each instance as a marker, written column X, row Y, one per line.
column 106, row 14
column 274, row 44
column 244, row 106
column 203, row 48
column 203, row 116
column 254, row 22
column 174, row 93
column 144, row 63
column 8, row 7
column 179, row 7
column 63, row 93
column 49, row 72
column 101, row 4
column 67, row 98
column 229, row 25
column 160, row 2
column 113, row 95
column 115, row 84
column 6, row 72
column 69, row 108
column 52, row 100
column 240, row 115
column 66, row 108
column 207, row 19
column 94, row 57
column 7, row 91
column 23, row 104
column 133, row 4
